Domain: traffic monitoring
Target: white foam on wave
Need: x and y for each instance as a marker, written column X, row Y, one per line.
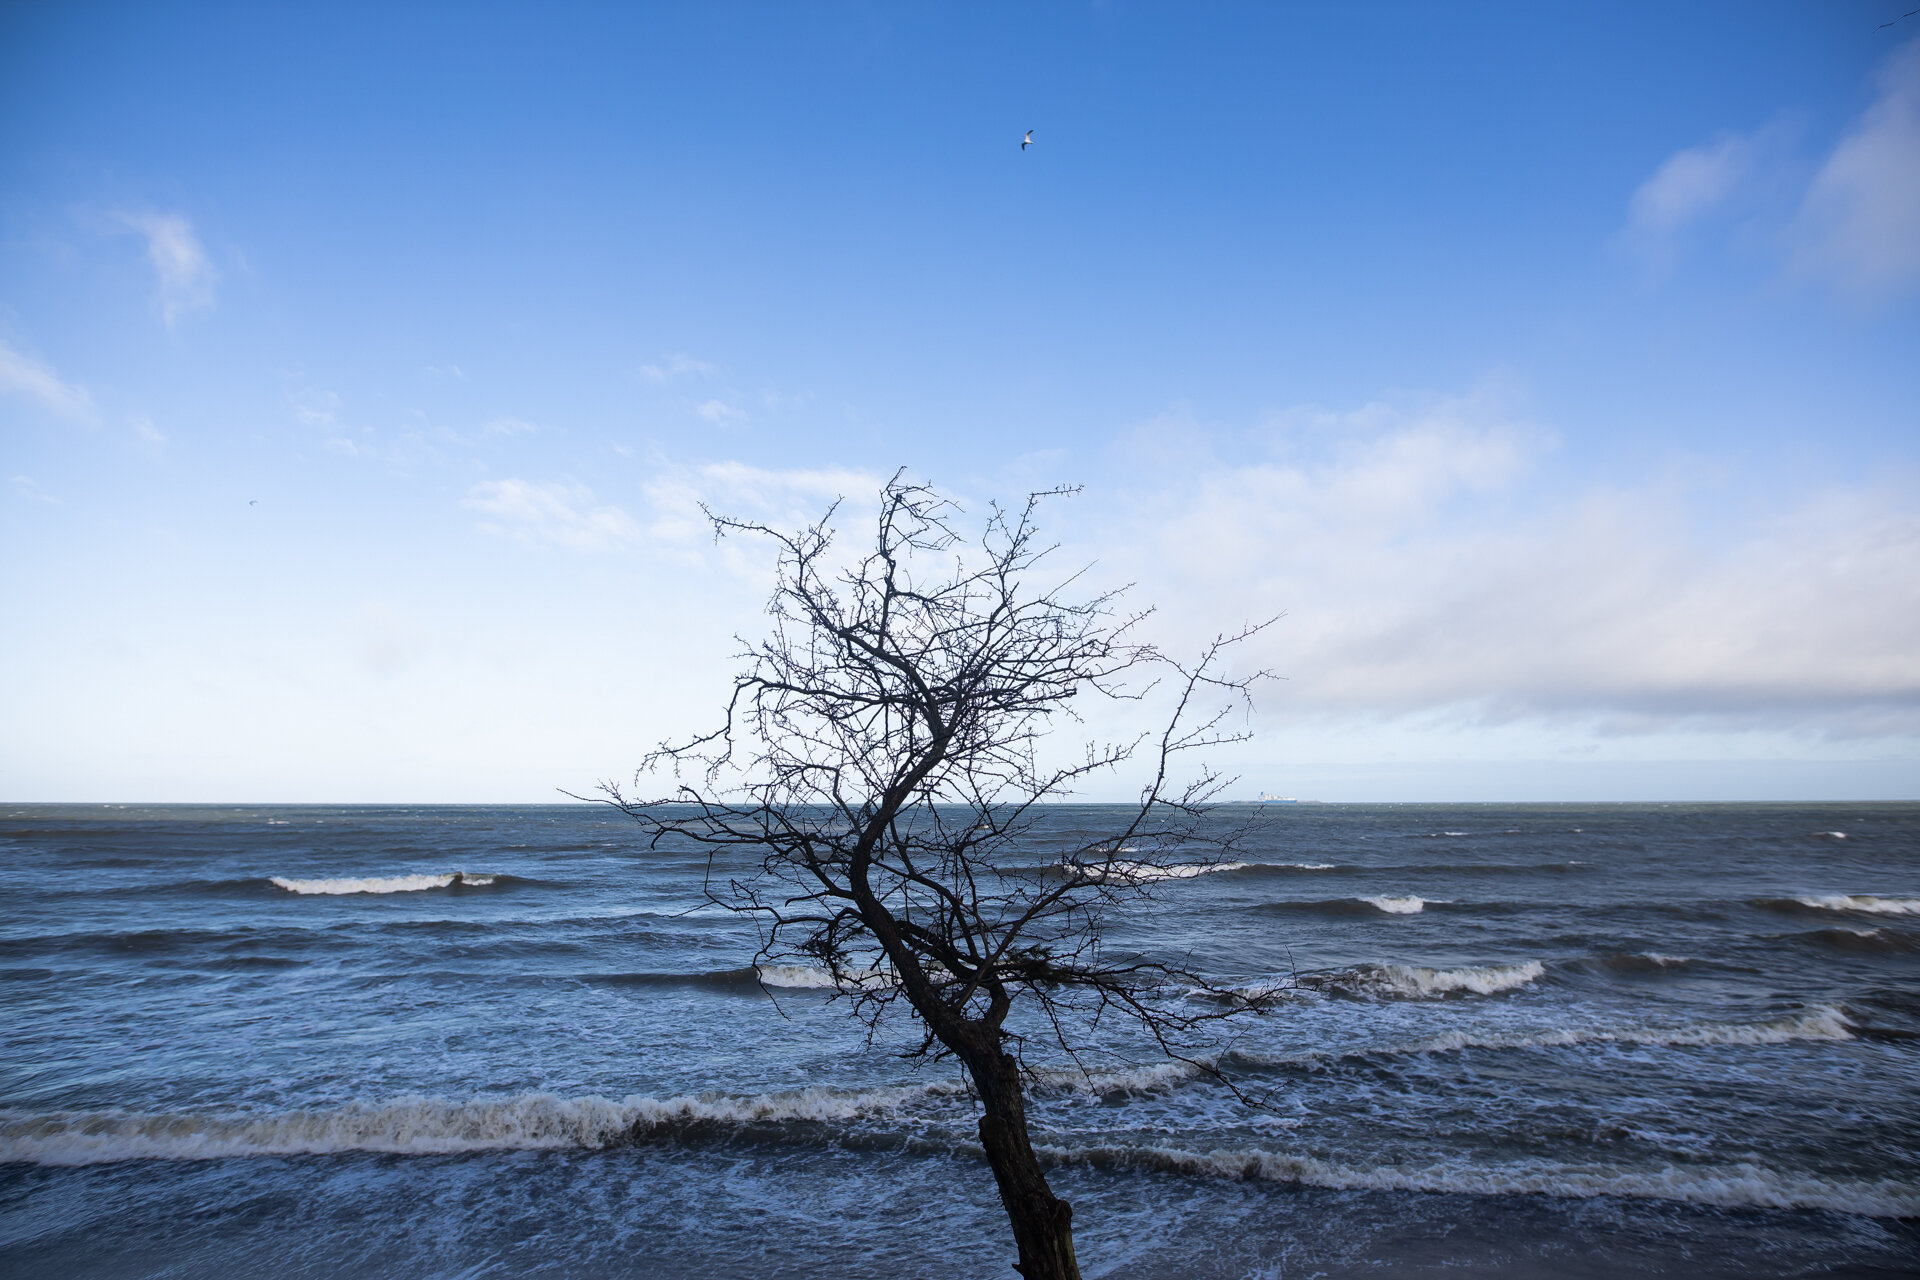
column 1148, row 872
column 1744, row 1185
column 416, row 1126
column 1406, row 906
column 1863, row 902
column 1824, row 1023
column 1158, row 1077
column 380, row 884
column 1419, row 983
column 808, row 978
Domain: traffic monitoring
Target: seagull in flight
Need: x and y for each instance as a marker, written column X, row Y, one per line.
column 1027, row 141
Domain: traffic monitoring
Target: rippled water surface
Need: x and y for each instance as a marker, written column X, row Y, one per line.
column 1516, row 1040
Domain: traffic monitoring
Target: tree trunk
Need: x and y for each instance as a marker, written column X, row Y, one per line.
column 1042, row 1223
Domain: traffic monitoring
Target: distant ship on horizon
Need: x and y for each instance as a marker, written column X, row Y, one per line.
column 1267, row 797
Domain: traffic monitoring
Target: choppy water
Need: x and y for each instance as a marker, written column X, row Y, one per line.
column 1526, row 1040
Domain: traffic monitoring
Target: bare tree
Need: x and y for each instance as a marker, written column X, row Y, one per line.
column 880, row 761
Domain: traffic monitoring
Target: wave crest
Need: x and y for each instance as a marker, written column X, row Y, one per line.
column 1865, row 903
column 1824, row 1023
column 417, row 1126
column 1743, row 1185
column 1148, row 872
column 385, row 884
column 1416, row 982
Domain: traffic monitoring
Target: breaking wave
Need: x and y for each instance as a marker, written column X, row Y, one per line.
column 388, row 884
column 1415, row 982
column 1824, row 1023
column 1743, row 1185
column 1387, row 904
column 1148, row 872
column 1398, row 906
column 807, row 978
column 418, row 1126
column 422, row 1126
column 1864, row 903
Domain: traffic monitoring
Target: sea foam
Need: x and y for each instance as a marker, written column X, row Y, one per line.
column 417, row 1126
column 1419, row 983
column 382, row 884
column 1824, row 1023
column 1406, row 906
column 1149, row 872
column 1744, row 1185
column 1863, row 902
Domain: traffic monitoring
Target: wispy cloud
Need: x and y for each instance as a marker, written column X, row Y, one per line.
column 564, row 514
column 1848, row 216
column 1861, row 218
column 509, row 426
column 720, row 413
column 149, row 434
column 1419, row 577
column 23, row 376
column 674, row 366
column 1733, row 180
column 26, row 487
column 1691, row 183
column 780, row 498
column 184, row 275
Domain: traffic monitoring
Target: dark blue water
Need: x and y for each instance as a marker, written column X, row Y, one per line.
column 1518, row 1040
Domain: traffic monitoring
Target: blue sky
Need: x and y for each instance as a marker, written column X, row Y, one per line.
column 1550, row 367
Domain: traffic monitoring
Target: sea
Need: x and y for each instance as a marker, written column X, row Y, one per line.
column 1502, row 1040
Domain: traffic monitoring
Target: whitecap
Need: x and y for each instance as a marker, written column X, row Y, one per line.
column 380, row 884
column 1148, row 872
column 417, row 1125
column 809, row 978
column 1823, row 1023
column 1158, row 1077
column 1743, row 1185
column 1864, row 902
column 1406, row 906
column 1419, row 983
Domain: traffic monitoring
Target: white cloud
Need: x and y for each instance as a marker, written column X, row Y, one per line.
column 143, row 427
column 506, row 426
column 27, row 487
column 1691, row 183
column 720, row 413
column 1861, row 219
column 565, row 514
column 1855, row 224
column 788, row 499
column 22, row 375
column 185, row 276
column 1422, row 575
column 674, row 366
column 316, row 408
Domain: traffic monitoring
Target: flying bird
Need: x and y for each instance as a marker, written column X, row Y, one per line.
column 253, row 502
column 1027, row 141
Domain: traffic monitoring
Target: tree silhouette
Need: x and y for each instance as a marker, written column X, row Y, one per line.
column 880, row 765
